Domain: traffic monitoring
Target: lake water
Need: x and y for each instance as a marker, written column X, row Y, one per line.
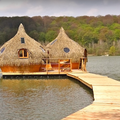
column 43, row 99
column 105, row 65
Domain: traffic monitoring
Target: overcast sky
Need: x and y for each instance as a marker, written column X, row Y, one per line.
column 59, row 7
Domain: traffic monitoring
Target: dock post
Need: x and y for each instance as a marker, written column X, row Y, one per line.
column 70, row 64
column 47, row 66
column 85, row 64
column 59, row 66
column 82, row 65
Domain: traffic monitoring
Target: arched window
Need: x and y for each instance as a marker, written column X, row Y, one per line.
column 23, row 53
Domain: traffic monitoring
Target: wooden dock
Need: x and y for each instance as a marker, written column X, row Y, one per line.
column 16, row 75
column 106, row 104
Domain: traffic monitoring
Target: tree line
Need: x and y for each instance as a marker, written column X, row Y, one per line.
column 100, row 35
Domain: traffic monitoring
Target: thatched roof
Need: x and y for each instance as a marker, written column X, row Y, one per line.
column 9, row 51
column 64, row 47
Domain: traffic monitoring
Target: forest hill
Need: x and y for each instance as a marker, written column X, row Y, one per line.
column 100, row 35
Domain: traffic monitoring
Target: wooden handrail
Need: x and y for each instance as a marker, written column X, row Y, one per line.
column 63, row 64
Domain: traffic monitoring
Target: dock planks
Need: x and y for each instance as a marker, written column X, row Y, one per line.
column 106, row 104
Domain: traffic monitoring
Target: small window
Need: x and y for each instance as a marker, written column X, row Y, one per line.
column 22, row 40
column 54, row 41
column 2, row 50
column 42, row 48
column 23, row 53
column 66, row 50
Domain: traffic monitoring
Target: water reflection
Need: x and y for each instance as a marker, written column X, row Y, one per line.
column 45, row 99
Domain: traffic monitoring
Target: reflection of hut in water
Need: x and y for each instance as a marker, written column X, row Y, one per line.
column 64, row 47
column 21, row 53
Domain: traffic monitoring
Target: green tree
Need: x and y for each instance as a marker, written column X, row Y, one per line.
column 2, row 38
column 112, row 50
column 42, row 37
column 117, row 34
column 87, row 38
column 34, row 34
column 50, row 35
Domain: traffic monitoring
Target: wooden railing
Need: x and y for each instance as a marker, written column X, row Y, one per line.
column 60, row 66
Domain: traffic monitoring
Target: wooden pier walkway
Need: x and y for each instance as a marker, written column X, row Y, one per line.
column 106, row 104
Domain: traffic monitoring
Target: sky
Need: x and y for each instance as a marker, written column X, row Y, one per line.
column 10, row 8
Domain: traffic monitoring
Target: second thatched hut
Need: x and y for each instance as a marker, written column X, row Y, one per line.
column 62, row 47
